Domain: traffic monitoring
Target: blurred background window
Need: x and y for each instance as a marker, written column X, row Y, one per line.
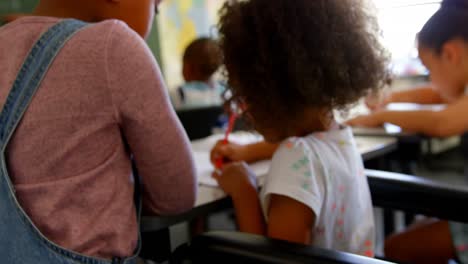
column 400, row 21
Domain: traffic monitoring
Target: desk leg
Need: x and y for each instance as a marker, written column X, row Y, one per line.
column 409, row 219
column 407, row 169
column 389, row 222
column 382, row 163
column 156, row 246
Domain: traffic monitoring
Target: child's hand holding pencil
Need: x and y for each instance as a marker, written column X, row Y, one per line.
column 228, row 152
column 225, row 152
column 220, row 160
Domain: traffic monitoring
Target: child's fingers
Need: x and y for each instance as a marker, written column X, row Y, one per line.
column 219, row 144
column 215, row 153
column 216, row 174
column 214, row 156
column 224, row 149
column 217, row 157
column 220, row 152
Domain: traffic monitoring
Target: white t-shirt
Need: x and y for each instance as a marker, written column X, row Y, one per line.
column 197, row 94
column 325, row 172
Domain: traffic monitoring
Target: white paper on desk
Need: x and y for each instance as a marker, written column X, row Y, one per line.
column 415, row 107
column 205, row 169
column 387, row 130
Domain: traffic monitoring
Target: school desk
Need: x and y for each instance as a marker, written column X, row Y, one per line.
column 413, row 147
column 434, row 145
column 211, row 199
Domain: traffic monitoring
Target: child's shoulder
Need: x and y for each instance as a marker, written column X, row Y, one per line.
column 302, row 143
column 313, row 139
column 317, row 141
column 293, row 148
column 117, row 41
column 112, row 28
column 293, row 143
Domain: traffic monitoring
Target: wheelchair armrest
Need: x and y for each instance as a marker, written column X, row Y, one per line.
column 233, row 247
column 417, row 195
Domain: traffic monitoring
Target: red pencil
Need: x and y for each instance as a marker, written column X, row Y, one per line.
column 232, row 121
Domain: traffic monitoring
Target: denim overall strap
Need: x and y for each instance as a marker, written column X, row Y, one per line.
column 20, row 241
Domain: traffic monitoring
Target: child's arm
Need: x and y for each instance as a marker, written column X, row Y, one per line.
column 149, row 125
column 249, row 212
column 293, row 192
column 239, row 182
column 419, row 95
column 288, row 219
column 448, row 122
column 249, row 153
column 282, row 212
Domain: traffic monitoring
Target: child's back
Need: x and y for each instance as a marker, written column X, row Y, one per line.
column 68, row 159
column 291, row 64
column 324, row 171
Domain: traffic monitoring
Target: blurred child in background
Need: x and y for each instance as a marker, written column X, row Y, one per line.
column 202, row 59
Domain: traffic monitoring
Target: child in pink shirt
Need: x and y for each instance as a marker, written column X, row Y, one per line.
column 102, row 100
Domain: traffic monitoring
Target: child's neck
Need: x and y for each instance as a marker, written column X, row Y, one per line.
column 316, row 121
column 50, row 9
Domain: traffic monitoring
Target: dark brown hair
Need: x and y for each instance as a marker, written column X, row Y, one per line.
column 283, row 56
column 448, row 23
column 204, row 54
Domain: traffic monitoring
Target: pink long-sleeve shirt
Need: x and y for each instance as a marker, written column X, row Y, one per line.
column 67, row 158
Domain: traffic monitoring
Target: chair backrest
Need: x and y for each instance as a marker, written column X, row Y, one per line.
column 417, row 195
column 198, row 122
column 233, row 247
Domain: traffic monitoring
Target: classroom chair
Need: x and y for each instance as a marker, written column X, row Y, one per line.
column 235, row 247
column 199, row 121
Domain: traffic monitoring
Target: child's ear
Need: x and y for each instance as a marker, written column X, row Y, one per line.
column 452, row 52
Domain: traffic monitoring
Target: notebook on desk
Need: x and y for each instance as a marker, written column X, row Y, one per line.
column 205, row 169
column 201, row 152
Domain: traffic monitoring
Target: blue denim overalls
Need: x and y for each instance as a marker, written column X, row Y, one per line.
column 20, row 241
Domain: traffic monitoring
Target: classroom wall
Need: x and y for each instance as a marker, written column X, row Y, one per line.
column 16, row 6
column 180, row 22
